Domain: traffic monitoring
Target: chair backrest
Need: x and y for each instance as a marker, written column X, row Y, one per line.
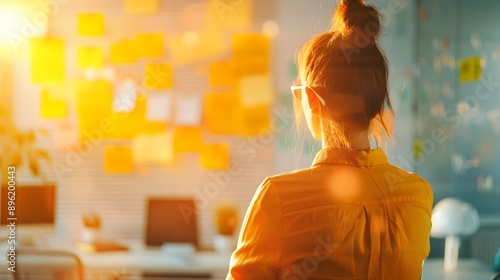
column 41, row 264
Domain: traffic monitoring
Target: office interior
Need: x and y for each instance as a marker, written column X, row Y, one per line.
column 118, row 112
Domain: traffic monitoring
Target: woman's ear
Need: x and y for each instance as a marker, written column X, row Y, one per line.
column 313, row 101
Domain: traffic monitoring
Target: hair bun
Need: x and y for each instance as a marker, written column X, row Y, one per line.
column 354, row 16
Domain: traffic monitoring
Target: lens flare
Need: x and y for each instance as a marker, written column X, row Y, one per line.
column 344, row 183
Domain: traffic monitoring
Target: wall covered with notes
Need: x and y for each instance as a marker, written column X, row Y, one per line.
column 150, row 98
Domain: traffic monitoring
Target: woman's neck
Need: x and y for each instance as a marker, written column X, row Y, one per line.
column 358, row 141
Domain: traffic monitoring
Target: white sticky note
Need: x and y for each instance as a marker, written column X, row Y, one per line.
column 153, row 148
column 188, row 110
column 125, row 95
column 256, row 90
column 159, row 107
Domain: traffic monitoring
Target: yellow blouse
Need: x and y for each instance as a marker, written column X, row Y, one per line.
column 351, row 215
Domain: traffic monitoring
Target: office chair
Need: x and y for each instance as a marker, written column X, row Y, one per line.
column 41, row 264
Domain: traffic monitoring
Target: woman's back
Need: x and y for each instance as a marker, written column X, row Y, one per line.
column 350, row 216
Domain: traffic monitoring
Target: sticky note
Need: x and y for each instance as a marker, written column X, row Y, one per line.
column 153, row 148
column 418, row 149
column 251, row 54
column 230, row 14
column 90, row 57
column 93, row 106
column 158, row 76
column 90, row 24
column 254, row 121
column 221, row 73
column 141, row 6
column 256, row 90
column 470, row 69
column 226, row 219
column 159, row 107
column 118, row 159
column 196, row 46
column 149, row 45
column 216, row 120
column 51, row 108
column 188, row 110
column 187, row 139
column 214, row 156
column 45, row 52
column 251, row 44
column 125, row 93
column 123, row 51
column 66, row 135
column 127, row 125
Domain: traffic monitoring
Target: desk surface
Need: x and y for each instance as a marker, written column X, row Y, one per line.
column 156, row 261
column 468, row 269
column 147, row 260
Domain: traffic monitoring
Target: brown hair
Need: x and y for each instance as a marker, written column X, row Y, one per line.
column 347, row 68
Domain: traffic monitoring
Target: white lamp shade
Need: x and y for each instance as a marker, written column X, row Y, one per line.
column 454, row 217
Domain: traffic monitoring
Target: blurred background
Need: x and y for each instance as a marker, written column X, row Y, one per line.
column 115, row 111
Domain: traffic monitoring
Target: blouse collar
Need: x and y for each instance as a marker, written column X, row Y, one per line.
column 350, row 157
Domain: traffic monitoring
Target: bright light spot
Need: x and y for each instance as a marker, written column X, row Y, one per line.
column 191, row 39
column 494, row 119
column 271, row 28
column 344, row 183
column 10, row 22
column 496, row 54
column 483, row 62
column 475, row 40
column 91, row 74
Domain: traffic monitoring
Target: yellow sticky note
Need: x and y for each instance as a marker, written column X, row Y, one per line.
column 218, row 120
column 149, row 45
column 47, row 60
column 52, row 108
column 130, row 124
column 93, row 107
column 141, row 6
column 91, row 24
column 153, row 148
column 226, row 219
column 251, row 54
column 195, row 46
column 418, row 149
column 123, row 52
column 187, row 139
column 118, row 159
column 470, row 69
column 158, row 76
column 90, row 57
column 256, row 90
column 215, row 156
column 221, row 73
column 230, row 14
column 254, row 121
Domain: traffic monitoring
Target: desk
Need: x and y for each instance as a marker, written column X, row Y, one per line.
column 140, row 260
column 156, row 262
column 468, row 269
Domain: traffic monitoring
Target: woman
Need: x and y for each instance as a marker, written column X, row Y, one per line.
column 351, row 215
